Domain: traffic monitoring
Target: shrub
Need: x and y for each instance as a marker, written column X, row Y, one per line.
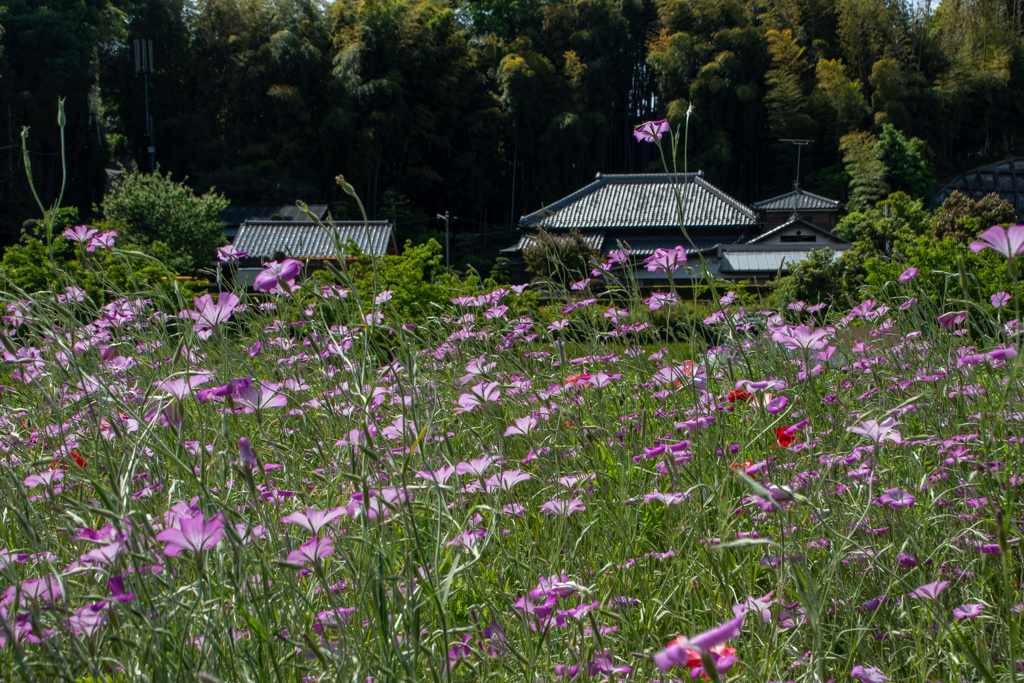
column 144, row 209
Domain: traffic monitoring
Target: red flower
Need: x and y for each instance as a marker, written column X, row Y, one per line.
column 739, row 396
column 577, row 380
column 786, row 436
column 63, row 462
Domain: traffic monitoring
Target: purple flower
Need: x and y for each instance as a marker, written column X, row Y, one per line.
column 209, row 314
column 908, row 274
column 506, row 480
column 46, row 589
column 776, row 405
column 971, row 610
column 872, row 604
column 603, row 664
column 563, row 507
column 1000, row 299
column 759, row 605
column 479, row 395
column 1007, row 241
column 278, row 276
column 801, row 337
column 651, row 131
column 521, row 426
column 314, row 520
column 261, row 396
column 660, row 299
column 951, row 320
column 878, row 431
column 929, row 591
column 105, row 554
column 666, row 261
column 379, row 504
column 312, row 550
column 476, row 467
column 46, row 478
column 896, row 499
column 229, row 253
column 103, row 240
column 80, row 233
column 180, row 387
column 195, row 535
column 87, row 620
column 246, row 455
column 868, row 674
column 677, row 653
column 439, row 476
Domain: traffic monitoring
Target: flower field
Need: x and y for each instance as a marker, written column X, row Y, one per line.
column 298, row 484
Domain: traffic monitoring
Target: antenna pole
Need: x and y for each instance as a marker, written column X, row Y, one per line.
column 144, row 64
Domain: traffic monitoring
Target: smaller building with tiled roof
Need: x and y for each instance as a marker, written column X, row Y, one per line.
column 314, row 243
column 641, row 212
column 821, row 211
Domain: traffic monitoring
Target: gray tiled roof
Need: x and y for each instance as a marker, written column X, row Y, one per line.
column 752, row 259
column 305, row 239
column 643, row 201
column 804, row 225
column 804, row 201
column 594, row 240
column 236, row 215
column 645, row 246
column 1005, row 178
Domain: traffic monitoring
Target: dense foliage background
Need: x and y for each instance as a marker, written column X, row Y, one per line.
column 489, row 108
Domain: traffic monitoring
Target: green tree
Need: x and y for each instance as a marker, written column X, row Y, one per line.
column 862, row 160
column 899, row 216
column 842, row 95
column 825, row 276
column 906, row 166
column 145, row 209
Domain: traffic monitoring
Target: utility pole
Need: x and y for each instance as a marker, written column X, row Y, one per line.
column 447, row 239
column 144, row 64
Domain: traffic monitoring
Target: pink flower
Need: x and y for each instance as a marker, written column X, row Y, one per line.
column 929, row 591
column 651, row 131
column 878, row 431
column 195, row 535
column 314, row 520
column 801, row 337
column 971, row 610
column 563, row 507
column 277, row 276
column 659, row 299
column 209, row 314
column 1000, row 299
column 88, row 619
column 312, row 550
column 952, row 319
column 1007, row 241
column 80, row 233
column 908, row 274
column 521, row 426
column 229, row 253
column 666, row 260
column 102, row 241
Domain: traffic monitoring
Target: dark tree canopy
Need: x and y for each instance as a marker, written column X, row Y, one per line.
column 489, row 109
